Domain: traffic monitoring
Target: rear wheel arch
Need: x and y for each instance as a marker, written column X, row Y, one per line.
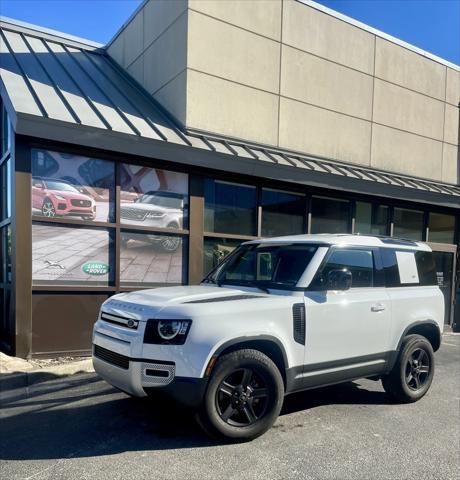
column 270, row 346
column 428, row 329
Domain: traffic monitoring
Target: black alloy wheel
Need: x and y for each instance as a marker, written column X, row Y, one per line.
column 417, row 369
column 411, row 376
column 242, row 397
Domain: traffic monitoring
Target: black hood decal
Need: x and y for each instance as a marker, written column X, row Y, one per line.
column 226, row 298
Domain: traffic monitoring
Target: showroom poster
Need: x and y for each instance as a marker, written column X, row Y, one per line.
column 151, row 197
column 70, row 255
column 152, row 259
column 72, row 186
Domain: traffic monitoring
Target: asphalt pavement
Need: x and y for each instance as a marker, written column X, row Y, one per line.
column 81, row 428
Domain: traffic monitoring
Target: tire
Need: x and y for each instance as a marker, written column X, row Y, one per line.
column 232, row 412
column 48, row 209
column 411, row 377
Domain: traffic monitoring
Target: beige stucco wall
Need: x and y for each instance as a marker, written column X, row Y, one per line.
column 152, row 47
column 283, row 73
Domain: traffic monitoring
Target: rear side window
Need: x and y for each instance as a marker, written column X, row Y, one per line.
column 390, row 266
column 359, row 262
column 408, row 268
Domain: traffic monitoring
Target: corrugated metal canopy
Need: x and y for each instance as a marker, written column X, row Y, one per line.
column 68, row 90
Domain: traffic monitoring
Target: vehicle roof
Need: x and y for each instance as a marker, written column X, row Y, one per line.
column 348, row 239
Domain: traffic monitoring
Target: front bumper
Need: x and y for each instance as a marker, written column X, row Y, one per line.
column 144, row 377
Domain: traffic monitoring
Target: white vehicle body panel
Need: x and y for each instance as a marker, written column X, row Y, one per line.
column 412, row 305
column 340, row 326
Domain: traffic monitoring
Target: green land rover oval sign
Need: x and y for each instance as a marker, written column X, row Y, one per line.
column 95, row 268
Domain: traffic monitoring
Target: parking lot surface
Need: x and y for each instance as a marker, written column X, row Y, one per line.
column 81, row 428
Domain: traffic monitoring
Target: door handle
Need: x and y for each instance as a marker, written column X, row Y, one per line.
column 378, row 307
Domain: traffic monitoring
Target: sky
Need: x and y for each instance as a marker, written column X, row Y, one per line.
column 432, row 25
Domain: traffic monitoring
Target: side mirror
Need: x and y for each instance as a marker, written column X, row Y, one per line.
column 339, row 280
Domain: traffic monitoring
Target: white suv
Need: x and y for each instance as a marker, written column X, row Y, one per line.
column 278, row 316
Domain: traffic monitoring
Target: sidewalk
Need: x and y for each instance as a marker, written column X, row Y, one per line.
column 17, row 375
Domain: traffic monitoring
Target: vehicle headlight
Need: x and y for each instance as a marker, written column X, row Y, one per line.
column 173, row 332
column 155, row 215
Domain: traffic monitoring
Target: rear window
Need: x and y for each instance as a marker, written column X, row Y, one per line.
column 408, row 268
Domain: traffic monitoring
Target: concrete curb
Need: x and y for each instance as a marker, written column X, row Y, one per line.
column 21, row 381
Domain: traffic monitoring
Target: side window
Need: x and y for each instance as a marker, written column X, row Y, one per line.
column 390, row 266
column 359, row 262
column 410, row 268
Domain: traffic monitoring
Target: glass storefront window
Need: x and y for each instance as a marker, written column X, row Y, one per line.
column 230, row 208
column 72, row 186
column 152, row 259
column 329, row 215
column 283, row 213
column 71, row 255
column 215, row 250
column 408, row 224
column 151, row 197
column 441, row 228
column 371, row 219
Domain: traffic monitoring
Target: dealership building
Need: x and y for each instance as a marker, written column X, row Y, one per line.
column 201, row 125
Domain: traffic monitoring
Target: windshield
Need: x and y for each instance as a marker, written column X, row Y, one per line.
column 162, row 200
column 62, row 186
column 264, row 265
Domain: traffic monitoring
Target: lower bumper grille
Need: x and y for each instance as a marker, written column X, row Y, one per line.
column 80, row 203
column 111, row 357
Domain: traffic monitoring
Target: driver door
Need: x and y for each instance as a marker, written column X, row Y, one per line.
column 347, row 332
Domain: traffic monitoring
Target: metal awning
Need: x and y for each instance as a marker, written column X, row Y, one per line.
column 68, row 90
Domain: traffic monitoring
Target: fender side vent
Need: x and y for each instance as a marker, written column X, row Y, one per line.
column 298, row 317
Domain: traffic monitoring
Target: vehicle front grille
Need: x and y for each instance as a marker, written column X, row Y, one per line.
column 132, row 214
column 80, row 203
column 111, row 357
column 119, row 320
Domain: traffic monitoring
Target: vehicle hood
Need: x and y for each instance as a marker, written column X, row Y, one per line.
column 145, row 207
column 145, row 303
column 70, row 195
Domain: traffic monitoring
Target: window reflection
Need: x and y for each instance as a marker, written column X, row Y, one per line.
column 283, row 213
column 229, row 208
column 441, row 228
column 371, row 219
column 329, row 215
column 408, row 224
